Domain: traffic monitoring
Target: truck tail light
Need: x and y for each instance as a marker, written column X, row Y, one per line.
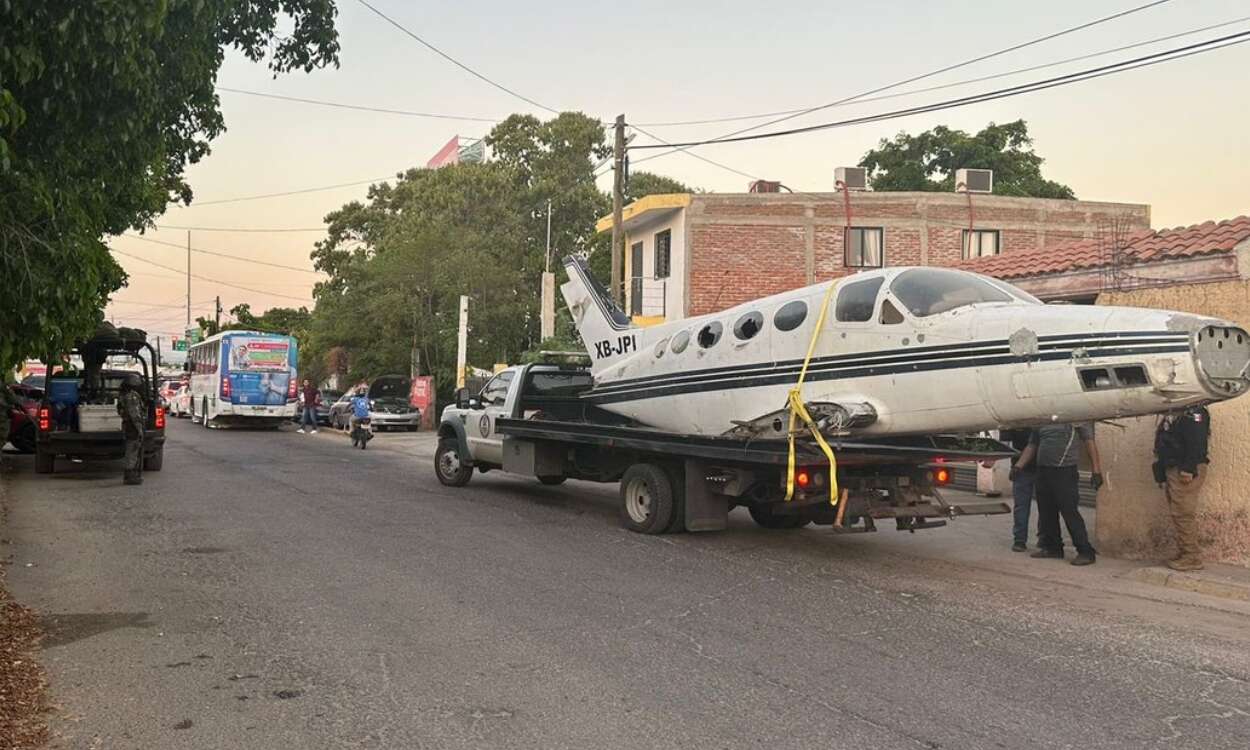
column 225, row 386
column 45, row 419
column 160, row 417
column 802, row 478
column 942, row 475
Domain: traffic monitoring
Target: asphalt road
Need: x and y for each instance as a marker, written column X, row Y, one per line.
column 282, row 591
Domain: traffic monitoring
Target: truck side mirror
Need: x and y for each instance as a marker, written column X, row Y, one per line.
column 462, row 398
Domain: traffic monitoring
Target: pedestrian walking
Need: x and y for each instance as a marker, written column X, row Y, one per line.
column 1023, row 483
column 1053, row 450
column 133, row 408
column 1181, row 450
column 308, row 417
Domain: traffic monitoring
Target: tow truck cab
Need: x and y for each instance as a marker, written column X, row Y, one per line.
column 78, row 415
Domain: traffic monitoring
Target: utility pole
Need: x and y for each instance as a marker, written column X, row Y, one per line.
column 462, row 342
column 547, row 316
column 188, row 278
column 618, row 200
column 217, row 316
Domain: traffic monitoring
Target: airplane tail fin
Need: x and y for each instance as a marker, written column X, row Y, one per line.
column 603, row 325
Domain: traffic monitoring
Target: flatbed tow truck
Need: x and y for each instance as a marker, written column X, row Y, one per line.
column 529, row 420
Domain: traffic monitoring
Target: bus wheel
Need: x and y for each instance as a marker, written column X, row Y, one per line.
column 450, row 470
column 204, row 415
column 647, row 501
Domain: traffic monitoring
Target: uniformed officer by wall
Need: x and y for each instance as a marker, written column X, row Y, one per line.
column 134, row 411
column 1181, row 450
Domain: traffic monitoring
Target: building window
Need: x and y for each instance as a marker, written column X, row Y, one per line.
column 663, row 253
column 864, row 247
column 980, row 243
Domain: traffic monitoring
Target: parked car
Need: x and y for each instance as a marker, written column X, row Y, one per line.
column 389, row 407
column 327, row 399
column 340, row 412
column 167, row 389
column 180, row 404
column 22, row 421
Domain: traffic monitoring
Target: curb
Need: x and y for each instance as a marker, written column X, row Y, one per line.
column 1168, row 578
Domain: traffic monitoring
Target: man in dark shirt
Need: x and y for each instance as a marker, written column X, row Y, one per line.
column 1053, row 449
column 1022, row 485
column 308, row 417
column 1181, row 448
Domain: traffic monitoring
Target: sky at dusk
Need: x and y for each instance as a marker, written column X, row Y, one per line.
column 1175, row 136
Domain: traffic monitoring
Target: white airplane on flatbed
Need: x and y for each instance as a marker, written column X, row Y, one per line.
column 902, row 351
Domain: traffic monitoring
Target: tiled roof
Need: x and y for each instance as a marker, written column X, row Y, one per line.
column 1140, row 246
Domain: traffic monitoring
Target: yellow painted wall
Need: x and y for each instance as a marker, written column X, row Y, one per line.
column 1132, row 514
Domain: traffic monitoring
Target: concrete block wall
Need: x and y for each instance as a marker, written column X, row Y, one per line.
column 1133, row 517
column 744, row 246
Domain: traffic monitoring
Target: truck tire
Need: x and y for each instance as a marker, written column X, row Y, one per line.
column 552, row 481
column 154, row 461
column 765, row 516
column 450, row 470
column 647, row 499
column 24, row 439
column 45, row 463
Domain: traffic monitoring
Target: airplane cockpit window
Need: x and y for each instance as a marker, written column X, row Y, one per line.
column 930, row 291
column 857, row 300
column 749, row 325
column 890, row 314
column 680, row 342
column 710, row 334
column 790, row 315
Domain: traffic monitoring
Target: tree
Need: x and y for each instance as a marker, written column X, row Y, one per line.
column 642, row 184
column 927, row 162
column 102, row 107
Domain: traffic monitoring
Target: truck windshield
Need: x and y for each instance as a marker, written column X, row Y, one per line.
column 930, row 291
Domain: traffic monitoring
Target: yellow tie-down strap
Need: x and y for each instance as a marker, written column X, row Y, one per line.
column 798, row 410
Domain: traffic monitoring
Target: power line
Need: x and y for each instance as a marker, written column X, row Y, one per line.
column 955, row 84
column 1178, row 53
column 289, row 192
column 221, row 255
column 205, row 278
column 241, row 229
column 456, row 62
column 939, row 71
column 360, row 107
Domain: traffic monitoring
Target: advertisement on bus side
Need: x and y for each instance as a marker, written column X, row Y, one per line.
column 260, row 368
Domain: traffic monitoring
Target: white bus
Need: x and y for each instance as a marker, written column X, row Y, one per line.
column 243, row 377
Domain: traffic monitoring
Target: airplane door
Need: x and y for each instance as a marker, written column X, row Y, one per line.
column 485, row 442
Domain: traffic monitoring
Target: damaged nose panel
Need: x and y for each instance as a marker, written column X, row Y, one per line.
column 1222, row 355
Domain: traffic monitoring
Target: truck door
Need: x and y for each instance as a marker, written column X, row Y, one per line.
column 485, row 442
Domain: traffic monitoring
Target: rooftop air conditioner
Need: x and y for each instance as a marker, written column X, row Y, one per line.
column 765, row 186
column 853, row 178
column 974, row 180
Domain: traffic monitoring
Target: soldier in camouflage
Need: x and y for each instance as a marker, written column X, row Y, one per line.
column 134, row 411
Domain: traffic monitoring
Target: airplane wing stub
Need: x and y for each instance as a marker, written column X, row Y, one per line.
column 832, row 419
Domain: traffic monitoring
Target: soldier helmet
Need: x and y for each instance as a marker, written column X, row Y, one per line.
column 133, row 381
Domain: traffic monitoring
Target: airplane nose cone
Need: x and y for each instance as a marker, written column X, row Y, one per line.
column 1222, row 354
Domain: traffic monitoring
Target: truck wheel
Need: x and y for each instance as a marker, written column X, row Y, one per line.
column 154, row 461
column 765, row 516
column 45, row 463
column 647, row 504
column 450, row 469
column 24, row 440
column 552, row 481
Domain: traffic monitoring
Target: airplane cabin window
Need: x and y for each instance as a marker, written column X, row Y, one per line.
column 680, row 342
column 660, row 346
column 890, row 314
column 857, row 300
column 790, row 315
column 749, row 325
column 930, row 291
column 710, row 334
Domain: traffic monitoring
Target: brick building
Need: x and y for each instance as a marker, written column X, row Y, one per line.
column 689, row 254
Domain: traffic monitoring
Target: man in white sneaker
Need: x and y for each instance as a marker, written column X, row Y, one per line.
column 308, row 418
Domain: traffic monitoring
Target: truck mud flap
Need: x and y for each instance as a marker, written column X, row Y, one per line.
column 705, row 510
